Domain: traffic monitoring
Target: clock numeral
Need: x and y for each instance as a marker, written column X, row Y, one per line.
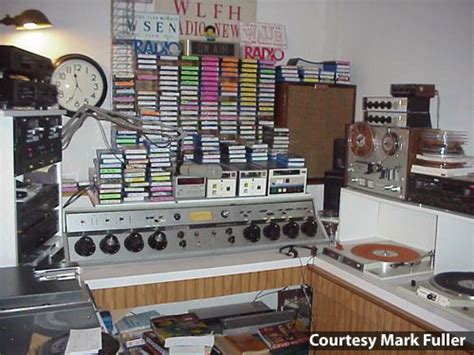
column 58, row 84
column 77, row 67
column 87, row 70
column 93, row 95
column 60, row 94
column 68, row 69
column 62, row 76
column 86, row 101
column 94, row 77
column 96, row 86
column 77, row 104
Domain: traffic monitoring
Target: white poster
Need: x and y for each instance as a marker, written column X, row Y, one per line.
column 151, row 26
column 269, row 35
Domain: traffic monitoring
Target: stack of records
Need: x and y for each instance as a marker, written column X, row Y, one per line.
column 122, row 138
column 287, row 73
column 189, row 91
column 159, row 174
column 248, row 99
column 124, row 93
column 256, row 152
column 233, row 152
column 229, row 92
column 341, row 69
column 290, row 161
column 265, row 96
column 146, row 85
column 309, row 74
column 109, row 181
column 327, row 76
column 278, row 140
column 135, row 174
column 209, row 93
column 207, row 149
column 169, row 96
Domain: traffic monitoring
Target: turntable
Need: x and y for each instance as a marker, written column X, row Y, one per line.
column 454, row 291
column 382, row 258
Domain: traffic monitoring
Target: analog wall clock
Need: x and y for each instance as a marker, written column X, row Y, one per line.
column 79, row 81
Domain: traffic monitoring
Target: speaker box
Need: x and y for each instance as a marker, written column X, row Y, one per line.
column 333, row 182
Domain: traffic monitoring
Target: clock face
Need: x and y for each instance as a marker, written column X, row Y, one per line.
column 79, row 81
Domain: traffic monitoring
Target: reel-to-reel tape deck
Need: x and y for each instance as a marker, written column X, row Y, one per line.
column 379, row 158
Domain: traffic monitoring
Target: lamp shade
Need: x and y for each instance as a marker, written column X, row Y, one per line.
column 31, row 20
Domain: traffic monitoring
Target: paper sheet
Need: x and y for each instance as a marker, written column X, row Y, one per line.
column 84, row 341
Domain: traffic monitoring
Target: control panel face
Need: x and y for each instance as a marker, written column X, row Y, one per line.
column 116, row 236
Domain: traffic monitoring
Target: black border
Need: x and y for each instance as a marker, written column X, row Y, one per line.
column 83, row 57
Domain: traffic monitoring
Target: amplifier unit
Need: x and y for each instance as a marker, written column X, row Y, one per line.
column 454, row 193
column 285, row 180
column 27, row 93
column 410, row 90
column 379, row 158
column 398, row 119
column 172, row 230
column 189, row 187
column 252, row 179
column 17, row 61
column 396, row 104
column 225, row 186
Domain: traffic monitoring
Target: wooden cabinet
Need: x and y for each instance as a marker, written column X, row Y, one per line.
column 339, row 306
column 316, row 114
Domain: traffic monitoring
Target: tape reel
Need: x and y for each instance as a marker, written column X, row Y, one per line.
column 361, row 139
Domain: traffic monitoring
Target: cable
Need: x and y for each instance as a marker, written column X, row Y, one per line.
column 260, row 294
column 75, row 196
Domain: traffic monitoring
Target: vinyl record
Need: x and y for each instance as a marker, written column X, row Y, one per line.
column 459, row 283
column 361, row 139
column 385, row 252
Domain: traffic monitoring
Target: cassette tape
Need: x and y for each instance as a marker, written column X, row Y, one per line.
column 252, row 179
column 285, row 180
column 189, row 187
column 226, row 186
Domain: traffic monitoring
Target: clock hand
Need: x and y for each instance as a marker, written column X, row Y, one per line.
column 77, row 84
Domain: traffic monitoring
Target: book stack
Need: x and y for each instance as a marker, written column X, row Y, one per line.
column 122, row 138
column 146, row 85
column 248, row 99
column 287, row 73
column 109, row 172
column 207, row 149
column 284, row 335
column 265, row 96
column 341, row 69
column 189, row 93
column 309, row 74
column 233, row 152
column 278, row 140
column 135, row 174
column 256, row 151
column 180, row 334
column 228, row 98
column 209, row 93
column 327, row 76
column 290, row 161
column 169, row 94
column 123, row 97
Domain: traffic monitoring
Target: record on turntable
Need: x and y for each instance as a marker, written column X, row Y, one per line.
column 391, row 253
column 460, row 284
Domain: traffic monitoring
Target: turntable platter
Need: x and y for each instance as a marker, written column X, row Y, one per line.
column 459, row 283
column 385, row 252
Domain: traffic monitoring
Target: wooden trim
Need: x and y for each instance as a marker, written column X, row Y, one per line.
column 177, row 291
column 389, row 307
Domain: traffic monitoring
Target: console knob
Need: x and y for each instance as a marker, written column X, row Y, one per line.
column 225, row 213
column 177, row 216
column 134, row 242
column 158, row 240
column 231, row 239
column 309, row 227
column 252, row 233
column 110, row 244
column 291, row 229
column 272, row 231
column 85, row 246
column 180, row 235
column 182, row 243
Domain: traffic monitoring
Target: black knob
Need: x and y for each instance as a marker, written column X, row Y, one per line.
column 389, row 105
column 291, row 229
column 134, row 242
column 158, row 240
column 272, row 231
column 231, row 239
column 180, row 235
column 229, row 231
column 309, row 227
column 85, row 246
column 252, row 233
column 182, row 243
column 177, row 216
column 110, row 244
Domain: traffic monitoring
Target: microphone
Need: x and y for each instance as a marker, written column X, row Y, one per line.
column 210, row 171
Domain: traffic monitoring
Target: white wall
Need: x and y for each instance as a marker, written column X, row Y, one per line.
column 386, row 40
column 389, row 41
column 80, row 26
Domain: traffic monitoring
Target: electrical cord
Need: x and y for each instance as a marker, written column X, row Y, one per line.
column 75, row 196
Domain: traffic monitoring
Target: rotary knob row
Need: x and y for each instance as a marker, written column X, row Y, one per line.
column 273, row 231
column 134, row 243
